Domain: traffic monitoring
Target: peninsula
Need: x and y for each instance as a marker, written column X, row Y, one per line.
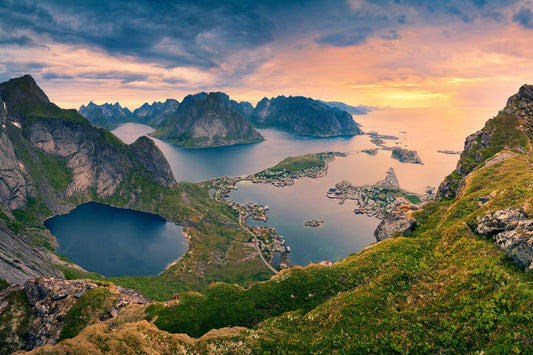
column 376, row 200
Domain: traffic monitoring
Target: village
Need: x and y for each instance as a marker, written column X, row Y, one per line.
column 376, row 200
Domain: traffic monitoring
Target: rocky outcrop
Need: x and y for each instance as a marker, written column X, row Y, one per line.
column 19, row 260
column 50, row 300
column 204, row 120
column 303, row 116
column 512, row 232
column 397, row 222
column 145, row 151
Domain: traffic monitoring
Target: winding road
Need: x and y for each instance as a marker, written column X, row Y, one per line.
column 257, row 245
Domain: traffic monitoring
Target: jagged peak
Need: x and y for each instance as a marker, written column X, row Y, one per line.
column 525, row 93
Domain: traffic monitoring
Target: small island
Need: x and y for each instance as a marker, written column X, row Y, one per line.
column 313, row 223
column 401, row 154
column 406, row 156
column 451, row 152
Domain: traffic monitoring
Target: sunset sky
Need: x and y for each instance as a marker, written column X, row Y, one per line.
column 398, row 53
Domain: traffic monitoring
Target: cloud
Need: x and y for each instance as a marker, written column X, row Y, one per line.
column 204, row 32
column 392, row 36
column 524, row 18
column 352, row 37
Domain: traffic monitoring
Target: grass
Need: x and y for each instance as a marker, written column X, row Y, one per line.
column 15, row 322
column 57, row 173
column 3, row 284
column 92, row 306
column 299, row 163
column 442, row 290
column 76, row 274
column 413, row 199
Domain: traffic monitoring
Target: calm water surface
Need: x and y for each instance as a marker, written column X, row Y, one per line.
column 116, row 242
column 343, row 233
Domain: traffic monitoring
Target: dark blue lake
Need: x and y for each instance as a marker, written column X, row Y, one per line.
column 116, row 242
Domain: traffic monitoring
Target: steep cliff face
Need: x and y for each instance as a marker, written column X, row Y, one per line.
column 203, row 120
column 303, row 116
column 15, row 184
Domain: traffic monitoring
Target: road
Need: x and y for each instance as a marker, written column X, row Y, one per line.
column 257, row 246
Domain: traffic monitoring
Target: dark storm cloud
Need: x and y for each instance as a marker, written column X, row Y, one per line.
column 524, row 18
column 207, row 33
column 177, row 33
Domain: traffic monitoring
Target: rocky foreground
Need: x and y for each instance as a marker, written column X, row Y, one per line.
column 44, row 310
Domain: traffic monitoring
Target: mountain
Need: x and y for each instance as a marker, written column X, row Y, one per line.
column 155, row 113
column 204, row 120
column 354, row 110
column 456, row 284
column 303, row 116
column 50, row 158
column 107, row 115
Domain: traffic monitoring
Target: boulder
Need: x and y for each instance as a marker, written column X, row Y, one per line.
column 512, row 232
column 397, row 222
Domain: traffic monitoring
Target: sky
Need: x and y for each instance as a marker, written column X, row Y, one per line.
column 381, row 53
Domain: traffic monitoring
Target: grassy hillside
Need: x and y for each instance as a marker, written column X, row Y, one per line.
column 442, row 290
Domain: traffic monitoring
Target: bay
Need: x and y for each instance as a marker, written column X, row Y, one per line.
column 426, row 130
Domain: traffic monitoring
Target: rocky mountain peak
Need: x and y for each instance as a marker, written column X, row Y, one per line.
column 526, row 92
column 22, row 94
column 215, row 101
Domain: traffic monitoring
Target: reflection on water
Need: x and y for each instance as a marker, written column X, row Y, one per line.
column 424, row 130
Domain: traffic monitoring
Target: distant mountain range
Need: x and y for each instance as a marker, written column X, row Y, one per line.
column 208, row 120
column 107, row 115
column 354, row 110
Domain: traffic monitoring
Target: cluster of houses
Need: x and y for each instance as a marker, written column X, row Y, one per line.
column 374, row 201
column 283, row 178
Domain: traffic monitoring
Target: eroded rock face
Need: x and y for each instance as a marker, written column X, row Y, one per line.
column 512, row 232
column 397, row 222
column 50, row 300
column 14, row 187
